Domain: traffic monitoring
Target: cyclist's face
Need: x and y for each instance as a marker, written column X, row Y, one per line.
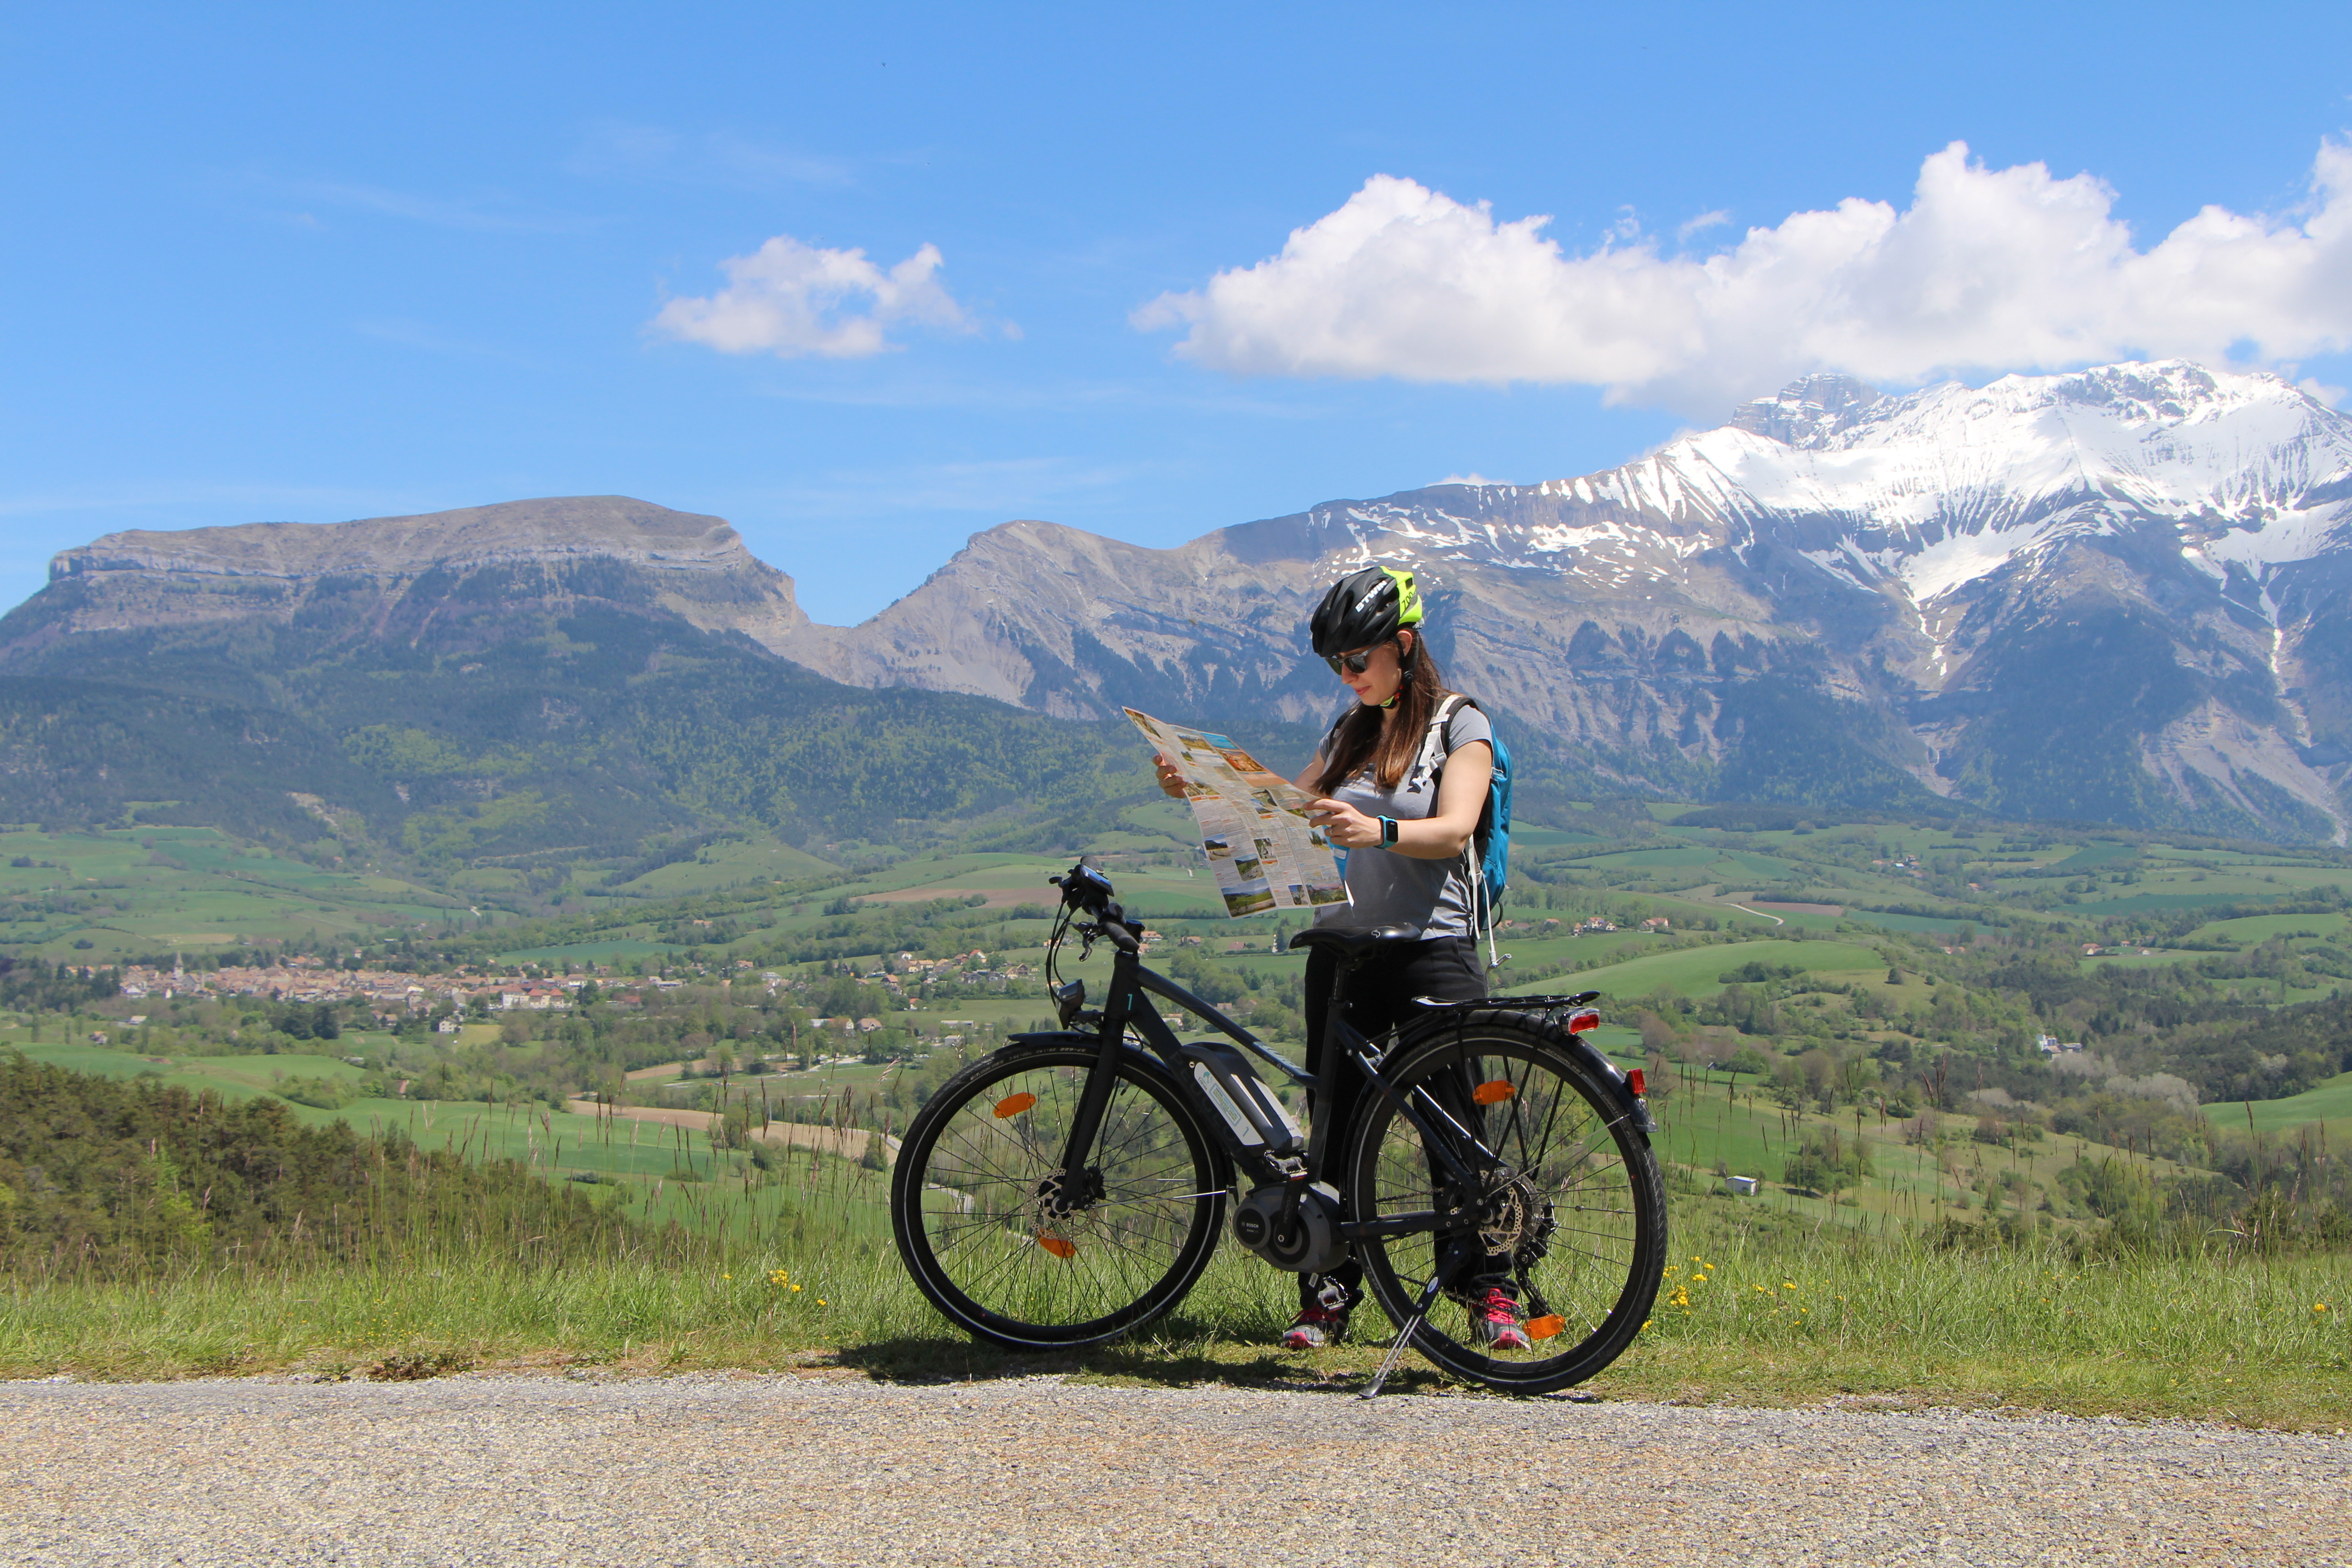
column 1380, row 676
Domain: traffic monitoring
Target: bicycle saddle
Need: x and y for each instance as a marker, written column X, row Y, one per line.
column 1353, row 944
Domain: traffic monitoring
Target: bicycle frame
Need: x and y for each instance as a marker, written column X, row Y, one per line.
column 1127, row 1006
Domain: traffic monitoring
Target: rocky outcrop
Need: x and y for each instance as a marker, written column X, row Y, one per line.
column 559, row 547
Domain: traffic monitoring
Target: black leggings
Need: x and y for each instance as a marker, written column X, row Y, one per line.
column 1380, row 997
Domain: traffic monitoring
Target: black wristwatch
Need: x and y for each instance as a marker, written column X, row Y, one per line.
column 1387, row 832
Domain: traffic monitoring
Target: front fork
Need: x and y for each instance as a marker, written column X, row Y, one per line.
column 1073, row 1186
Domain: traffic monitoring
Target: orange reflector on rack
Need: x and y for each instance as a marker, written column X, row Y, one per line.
column 1590, row 1018
column 1014, row 1104
column 1492, row 1093
column 1545, row 1327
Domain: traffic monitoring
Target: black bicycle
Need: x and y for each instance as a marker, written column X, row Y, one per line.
column 1071, row 1187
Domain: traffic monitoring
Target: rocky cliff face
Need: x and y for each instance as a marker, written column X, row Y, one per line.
column 392, row 575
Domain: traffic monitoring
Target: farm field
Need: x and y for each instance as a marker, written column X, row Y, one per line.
column 100, row 897
column 2330, row 1106
column 1695, row 971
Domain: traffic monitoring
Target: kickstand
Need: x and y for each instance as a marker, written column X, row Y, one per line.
column 1437, row 1283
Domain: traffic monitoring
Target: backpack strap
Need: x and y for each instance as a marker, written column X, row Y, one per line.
column 1433, row 750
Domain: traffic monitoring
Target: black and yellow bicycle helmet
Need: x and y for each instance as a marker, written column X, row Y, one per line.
column 1364, row 608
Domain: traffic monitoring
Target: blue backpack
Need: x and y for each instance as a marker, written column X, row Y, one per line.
column 1487, row 860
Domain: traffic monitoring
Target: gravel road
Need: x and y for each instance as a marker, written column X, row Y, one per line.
column 836, row 1470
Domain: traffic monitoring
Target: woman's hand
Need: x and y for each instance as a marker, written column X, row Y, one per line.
column 1171, row 782
column 1343, row 825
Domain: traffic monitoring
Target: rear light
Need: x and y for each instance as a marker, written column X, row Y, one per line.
column 1638, row 1083
column 1590, row 1018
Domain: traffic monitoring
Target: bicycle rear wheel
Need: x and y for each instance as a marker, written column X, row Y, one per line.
column 1571, row 1210
column 977, row 1199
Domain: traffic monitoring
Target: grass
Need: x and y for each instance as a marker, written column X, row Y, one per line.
column 2328, row 1102
column 150, row 889
column 1694, row 970
column 1769, row 1315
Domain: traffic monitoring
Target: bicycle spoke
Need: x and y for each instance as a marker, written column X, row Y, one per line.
column 1559, row 1207
column 1005, row 1252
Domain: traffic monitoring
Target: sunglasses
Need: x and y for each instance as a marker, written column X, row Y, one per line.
column 1349, row 663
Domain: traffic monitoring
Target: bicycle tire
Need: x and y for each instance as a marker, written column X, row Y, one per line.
column 1571, row 1197
column 968, row 1193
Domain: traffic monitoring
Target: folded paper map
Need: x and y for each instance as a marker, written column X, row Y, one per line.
column 1267, row 855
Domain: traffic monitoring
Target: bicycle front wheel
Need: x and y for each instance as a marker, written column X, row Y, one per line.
column 1014, row 1250
column 1570, row 1210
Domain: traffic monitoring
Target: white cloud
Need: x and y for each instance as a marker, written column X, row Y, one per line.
column 1988, row 269
column 793, row 299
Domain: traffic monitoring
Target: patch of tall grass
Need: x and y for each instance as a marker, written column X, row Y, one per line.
column 1747, row 1316
column 2149, row 1332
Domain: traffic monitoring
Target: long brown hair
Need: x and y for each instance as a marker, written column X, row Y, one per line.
column 1388, row 738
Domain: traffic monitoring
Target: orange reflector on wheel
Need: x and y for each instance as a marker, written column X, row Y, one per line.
column 1492, row 1093
column 1056, row 1245
column 1545, row 1327
column 1014, row 1104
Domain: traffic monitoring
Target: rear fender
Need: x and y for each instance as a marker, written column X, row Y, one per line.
column 1440, row 1021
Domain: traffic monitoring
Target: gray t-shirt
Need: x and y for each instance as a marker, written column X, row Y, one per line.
column 1389, row 888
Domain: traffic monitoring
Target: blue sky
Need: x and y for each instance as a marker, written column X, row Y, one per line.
column 317, row 263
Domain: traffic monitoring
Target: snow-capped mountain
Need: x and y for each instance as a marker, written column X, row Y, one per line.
column 2114, row 594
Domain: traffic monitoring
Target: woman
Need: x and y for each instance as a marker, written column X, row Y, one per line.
column 1406, row 834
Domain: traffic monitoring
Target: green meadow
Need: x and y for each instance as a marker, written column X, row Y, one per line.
column 104, row 896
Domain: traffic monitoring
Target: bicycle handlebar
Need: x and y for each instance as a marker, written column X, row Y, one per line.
column 1087, row 890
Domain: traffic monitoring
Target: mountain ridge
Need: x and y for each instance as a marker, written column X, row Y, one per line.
column 2124, row 593
column 697, row 566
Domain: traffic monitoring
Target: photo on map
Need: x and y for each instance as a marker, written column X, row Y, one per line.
column 1249, row 900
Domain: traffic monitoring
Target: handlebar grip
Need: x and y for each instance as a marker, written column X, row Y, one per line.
column 1120, row 937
